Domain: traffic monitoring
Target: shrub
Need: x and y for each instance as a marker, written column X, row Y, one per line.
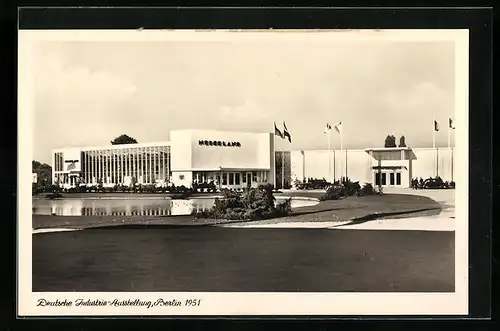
column 53, row 196
column 202, row 187
column 284, row 208
column 334, row 192
column 312, row 184
column 350, row 188
column 252, row 204
column 431, row 183
column 345, row 188
column 367, row 189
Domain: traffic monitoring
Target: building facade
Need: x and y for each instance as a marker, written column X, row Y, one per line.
column 384, row 166
column 227, row 159
column 112, row 165
column 238, row 159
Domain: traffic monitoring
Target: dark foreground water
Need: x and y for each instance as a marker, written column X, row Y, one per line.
column 235, row 259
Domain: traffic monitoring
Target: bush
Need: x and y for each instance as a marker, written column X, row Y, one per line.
column 252, row 204
column 53, row 196
column 349, row 188
column 346, row 188
column 431, row 183
column 367, row 189
column 334, row 192
column 312, row 184
column 204, row 187
column 284, row 208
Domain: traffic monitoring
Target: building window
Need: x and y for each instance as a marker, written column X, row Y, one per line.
column 384, row 178
column 377, row 178
column 398, row 178
column 237, row 178
column 244, row 178
column 254, row 175
column 231, row 178
column 224, row 178
column 391, row 178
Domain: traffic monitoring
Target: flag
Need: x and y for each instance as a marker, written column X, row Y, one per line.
column 338, row 127
column 277, row 132
column 436, row 126
column 328, row 127
column 286, row 133
column 450, row 123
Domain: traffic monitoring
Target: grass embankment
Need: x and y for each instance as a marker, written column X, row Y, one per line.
column 348, row 209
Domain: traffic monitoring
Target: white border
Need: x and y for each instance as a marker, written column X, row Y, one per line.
column 247, row 303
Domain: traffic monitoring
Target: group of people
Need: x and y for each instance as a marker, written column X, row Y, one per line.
column 417, row 183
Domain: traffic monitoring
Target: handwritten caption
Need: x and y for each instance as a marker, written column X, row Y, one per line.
column 160, row 302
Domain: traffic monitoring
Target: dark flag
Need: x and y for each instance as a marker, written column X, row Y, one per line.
column 286, row 133
column 277, row 132
column 328, row 128
column 450, row 121
column 436, row 126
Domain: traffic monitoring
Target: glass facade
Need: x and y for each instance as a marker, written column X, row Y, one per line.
column 120, row 166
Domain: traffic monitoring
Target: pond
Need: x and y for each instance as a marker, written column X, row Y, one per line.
column 130, row 207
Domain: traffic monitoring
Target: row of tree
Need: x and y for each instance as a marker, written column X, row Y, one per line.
column 390, row 141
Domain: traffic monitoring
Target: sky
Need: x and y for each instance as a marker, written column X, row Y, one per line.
column 87, row 93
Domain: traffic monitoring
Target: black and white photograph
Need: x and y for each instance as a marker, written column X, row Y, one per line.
column 230, row 172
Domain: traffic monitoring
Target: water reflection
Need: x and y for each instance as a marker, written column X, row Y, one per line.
column 127, row 207
column 86, row 207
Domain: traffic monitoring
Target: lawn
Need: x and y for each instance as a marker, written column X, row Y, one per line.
column 348, row 209
column 235, row 259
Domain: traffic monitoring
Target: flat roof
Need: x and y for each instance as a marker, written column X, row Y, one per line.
column 388, row 149
column 103, row 147
column 221, row 131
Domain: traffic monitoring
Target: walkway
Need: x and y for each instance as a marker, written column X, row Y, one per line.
column 444, row 221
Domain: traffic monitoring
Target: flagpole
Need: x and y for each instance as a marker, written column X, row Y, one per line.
column 283, row 169
column 342, row 149
column 329, row 154
column 341, row 145
column 274, row 154
column 450, row 128
column 452, row 164
column 283, row 161
column 449, row 136
column 433, row 132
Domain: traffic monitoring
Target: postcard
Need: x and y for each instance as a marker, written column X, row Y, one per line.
column 243, row 173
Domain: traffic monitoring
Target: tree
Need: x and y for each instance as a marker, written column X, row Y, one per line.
column 390, row 141
column 43, row 172
column 402, row 142
column 123, row 140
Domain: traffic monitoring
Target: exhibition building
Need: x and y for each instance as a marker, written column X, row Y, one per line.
column 240, row 159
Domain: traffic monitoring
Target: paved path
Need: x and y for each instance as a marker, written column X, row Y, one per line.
column 445, row 221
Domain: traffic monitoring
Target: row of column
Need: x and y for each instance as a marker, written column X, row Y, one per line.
column 58, row 161
column 112, row 166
